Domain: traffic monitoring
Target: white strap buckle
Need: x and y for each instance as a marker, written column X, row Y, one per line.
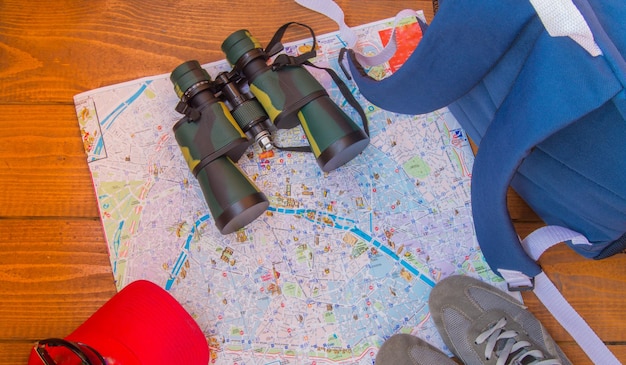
column 517, row 280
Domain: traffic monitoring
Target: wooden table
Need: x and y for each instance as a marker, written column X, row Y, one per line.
column 54, row 267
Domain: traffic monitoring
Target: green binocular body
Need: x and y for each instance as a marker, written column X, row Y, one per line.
column 211, row 140
column 291, row 95
column 213, row 135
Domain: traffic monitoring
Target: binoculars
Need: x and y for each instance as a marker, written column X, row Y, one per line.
column 223, row 117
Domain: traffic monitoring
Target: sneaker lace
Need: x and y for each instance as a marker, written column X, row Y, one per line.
column 519, row 352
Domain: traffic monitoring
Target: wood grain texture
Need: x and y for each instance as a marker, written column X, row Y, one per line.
column 54, row 274
column 594, row 288
column 43, row 165
column 49, row 259
column 54, row 266
column 51, row 51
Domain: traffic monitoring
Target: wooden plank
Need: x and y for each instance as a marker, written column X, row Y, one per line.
column 578, row 357
column 594, row 288
column 15, row 352
column 55, row 51
column 518, row 209
column 44, row 169
column 524, row 228
column 53, row 263
column 54, row 275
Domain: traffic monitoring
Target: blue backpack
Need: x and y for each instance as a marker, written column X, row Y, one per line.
column 548, row 116
column 539, row 86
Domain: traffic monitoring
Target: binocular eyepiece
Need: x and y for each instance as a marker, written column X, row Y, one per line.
column 223, row 115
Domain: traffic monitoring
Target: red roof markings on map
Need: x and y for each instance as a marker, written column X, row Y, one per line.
column 407, row 38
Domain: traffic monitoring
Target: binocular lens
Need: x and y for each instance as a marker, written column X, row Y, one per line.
column 333, row 136
column 233, row 199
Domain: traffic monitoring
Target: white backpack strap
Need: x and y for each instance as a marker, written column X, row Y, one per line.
column 535, row 244
column 350, row 38
column 561, row 18
column 334, row 12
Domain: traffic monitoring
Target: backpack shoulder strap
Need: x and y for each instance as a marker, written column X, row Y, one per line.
column 536, row 244
column 558, row 84
column 553, row 76
column 451, row 58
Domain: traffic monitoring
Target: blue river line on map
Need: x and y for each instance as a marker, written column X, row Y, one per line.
column 303, row 212
column 108, row 121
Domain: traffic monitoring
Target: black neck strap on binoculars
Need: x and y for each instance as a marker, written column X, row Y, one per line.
column 275, row 46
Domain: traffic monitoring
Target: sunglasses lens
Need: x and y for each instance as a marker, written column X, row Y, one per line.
column 61, row 352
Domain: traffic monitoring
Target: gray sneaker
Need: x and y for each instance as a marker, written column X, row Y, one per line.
column 481, row 324
column 404, row 349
